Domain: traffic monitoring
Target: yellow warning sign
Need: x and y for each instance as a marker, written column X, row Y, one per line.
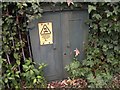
column 45, row 33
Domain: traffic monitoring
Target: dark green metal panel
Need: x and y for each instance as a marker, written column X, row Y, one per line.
column 74, row 34
column 49, row 54
column 69, row 32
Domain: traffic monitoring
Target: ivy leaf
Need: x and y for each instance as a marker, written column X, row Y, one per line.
column 97, row 16
column 116, row 48
column 91, row 7
column 105, row 48
column 31, row 72
column 6, row 80
column 18, row 62
column 36, row 71
column 90, row 77
column 34, row 81
column 16, row 56
column 109, row 13
column 88, row 63
column 39, row 77
column 6, row 48
column 25, row 66
column 10, row 78
column 24, row 4
column 11, row 38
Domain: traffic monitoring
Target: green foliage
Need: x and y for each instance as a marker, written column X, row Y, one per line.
column 33, row 77
column 11, row 77
column 103, row 50
column 17, row 69
column 75, row 69
column 15, row 43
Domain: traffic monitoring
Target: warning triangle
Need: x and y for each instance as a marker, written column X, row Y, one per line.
column 45, row 30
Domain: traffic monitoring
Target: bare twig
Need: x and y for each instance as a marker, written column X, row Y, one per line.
column 20, row 37
column 21, row 44
column 8, row 59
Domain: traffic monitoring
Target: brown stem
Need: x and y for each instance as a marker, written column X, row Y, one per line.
column 8, row 59
column 22, row 47
column 20, row 37
column 8, row 85
column 13, row 43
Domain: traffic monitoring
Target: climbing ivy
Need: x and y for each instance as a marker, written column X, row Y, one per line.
column 17, row 67
column 16, row 53
column 18, row 70
column 103, row 49
column 102, row 53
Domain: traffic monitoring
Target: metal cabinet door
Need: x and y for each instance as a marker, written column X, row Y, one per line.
column 50, row 53
column 74, row 34
column 69, row 33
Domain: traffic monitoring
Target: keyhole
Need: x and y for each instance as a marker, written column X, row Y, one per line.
column 65, row 54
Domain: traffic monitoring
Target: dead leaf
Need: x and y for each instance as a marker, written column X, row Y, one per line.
column 77, row 52
column 69, row 2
